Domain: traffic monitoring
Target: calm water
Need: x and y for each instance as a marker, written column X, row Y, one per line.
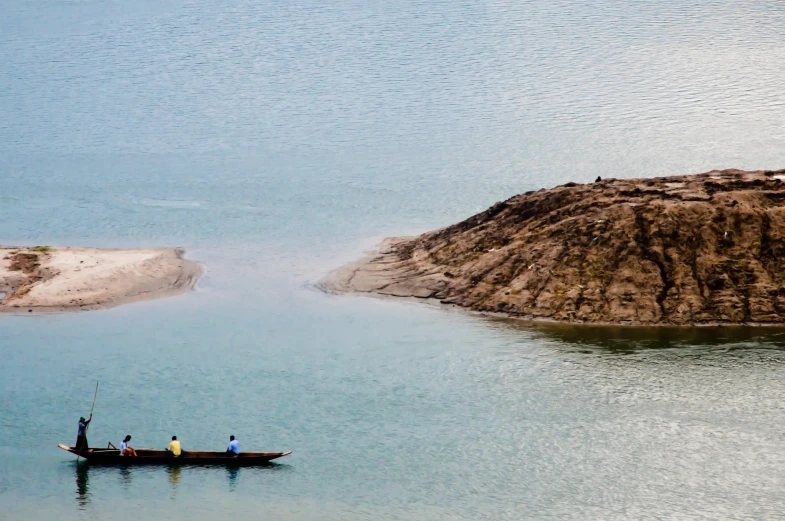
column 276, row 140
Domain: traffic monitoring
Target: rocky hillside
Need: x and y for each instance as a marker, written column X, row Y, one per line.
column 693, row 249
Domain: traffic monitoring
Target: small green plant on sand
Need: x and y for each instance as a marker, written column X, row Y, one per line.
column 41, row 249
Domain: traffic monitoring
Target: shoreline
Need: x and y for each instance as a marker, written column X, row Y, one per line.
column 45, row 280
column 374, row 269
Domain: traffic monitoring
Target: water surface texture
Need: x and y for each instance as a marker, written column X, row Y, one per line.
column 277, row 140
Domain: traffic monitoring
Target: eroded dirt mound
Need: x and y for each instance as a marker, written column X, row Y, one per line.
column 24, row 262
column 29, row 264
column 704, row 248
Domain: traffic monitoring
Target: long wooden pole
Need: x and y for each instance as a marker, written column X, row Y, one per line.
column 91, row 415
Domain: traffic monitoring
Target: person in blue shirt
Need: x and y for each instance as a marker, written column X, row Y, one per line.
column 234, row 448
column 81, row 434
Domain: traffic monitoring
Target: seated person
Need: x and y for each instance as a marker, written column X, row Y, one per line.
column 234, row 448
column 125, row 450
column 174, row 448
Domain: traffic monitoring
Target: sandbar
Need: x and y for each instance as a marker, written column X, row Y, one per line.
column 57, row 279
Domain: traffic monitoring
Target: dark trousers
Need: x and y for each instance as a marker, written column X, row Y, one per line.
column 231, row 454
column 81, row 443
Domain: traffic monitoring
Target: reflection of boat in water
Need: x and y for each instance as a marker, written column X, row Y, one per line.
column 160, row 457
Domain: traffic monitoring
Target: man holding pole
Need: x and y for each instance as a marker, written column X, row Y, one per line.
column 81, row 435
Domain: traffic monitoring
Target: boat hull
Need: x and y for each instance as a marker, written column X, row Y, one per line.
column 159, row 457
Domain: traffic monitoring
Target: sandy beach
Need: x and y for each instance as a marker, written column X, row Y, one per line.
column 55, row 279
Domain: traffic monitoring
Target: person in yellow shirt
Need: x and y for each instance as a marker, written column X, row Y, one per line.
column 174, row 448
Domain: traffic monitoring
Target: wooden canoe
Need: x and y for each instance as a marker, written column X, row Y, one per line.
column 159, row 457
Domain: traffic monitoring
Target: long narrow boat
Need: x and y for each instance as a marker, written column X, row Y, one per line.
column 111, row 456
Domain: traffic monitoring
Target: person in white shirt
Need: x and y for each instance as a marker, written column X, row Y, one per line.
column 125, row 450
column 234, row 448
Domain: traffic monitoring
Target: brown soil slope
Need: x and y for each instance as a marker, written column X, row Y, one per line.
column 705, row 248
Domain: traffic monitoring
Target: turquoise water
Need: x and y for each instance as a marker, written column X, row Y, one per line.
column 275, row 141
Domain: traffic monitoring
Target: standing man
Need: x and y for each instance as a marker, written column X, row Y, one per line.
column 81, row 434
column 234, row 448
column 174, row 448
